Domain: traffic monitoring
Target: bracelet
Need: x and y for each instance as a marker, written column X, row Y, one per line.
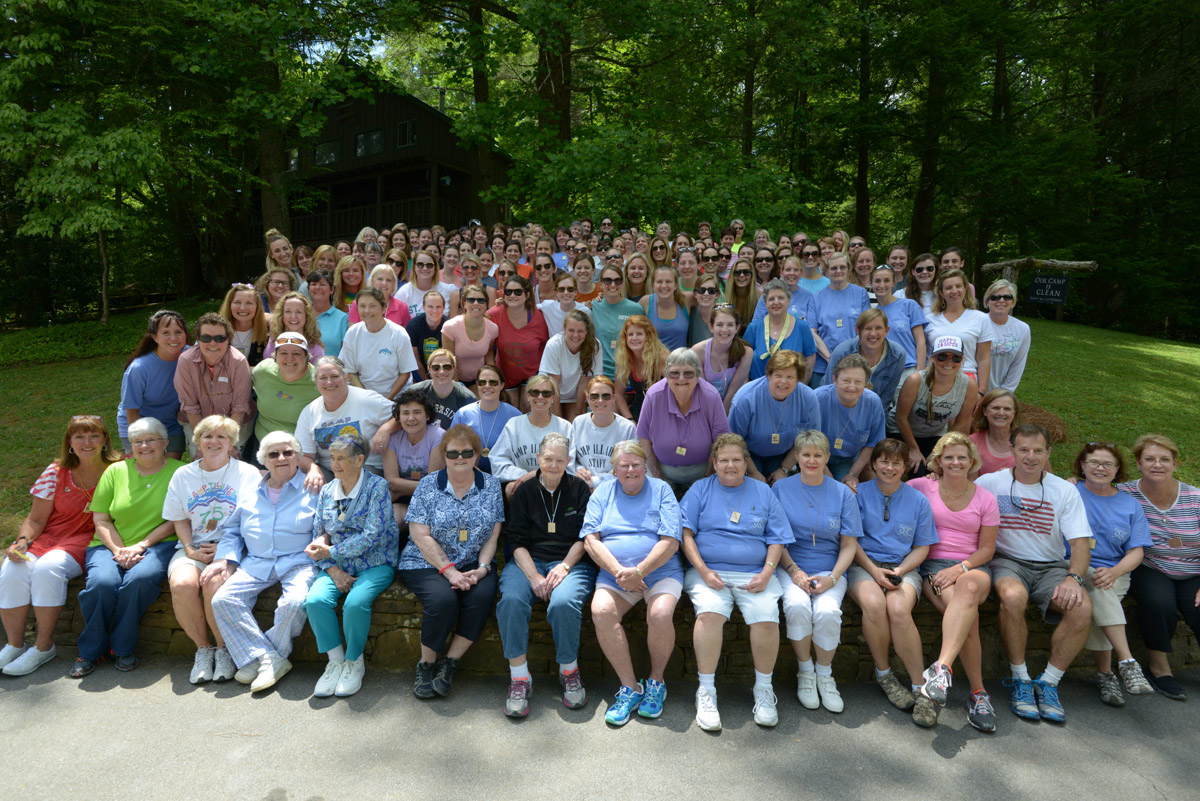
column 1077, row 577
column 770, row 564
column 639, row 572
column 792, row 568
column 23, row 537
column 963, row 565
column 444, row 569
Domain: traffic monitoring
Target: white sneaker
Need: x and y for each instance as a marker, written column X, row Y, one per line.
column 271, row 668
column 352, row 676
column 831, row 699
column 329, row 679
column 247, row 673
column 202, row 666
column 707, row 716
column 10, row 652
column 806, row 690
column 223, row 667
column 28, row 662
column 765, row 713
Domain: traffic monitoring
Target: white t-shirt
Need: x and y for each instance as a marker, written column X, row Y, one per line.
column 208, row 499
column 379, row 358
column 362, row 413
column 1010, row 349
column 1036, row 519
column 972, row 327
column 558, row 360
column 414, row 297
column 594, row 445
column 515, row 452
column 556, row 318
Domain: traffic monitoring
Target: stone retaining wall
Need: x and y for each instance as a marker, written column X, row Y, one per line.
column 394, row 640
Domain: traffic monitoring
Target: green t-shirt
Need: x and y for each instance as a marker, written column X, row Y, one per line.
column 133, row 501
column 280, row 403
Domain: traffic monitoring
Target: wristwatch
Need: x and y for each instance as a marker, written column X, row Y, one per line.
column 1077, row 577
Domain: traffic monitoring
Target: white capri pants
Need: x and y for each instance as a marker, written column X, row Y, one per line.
column 42, row 582
column 816, row 615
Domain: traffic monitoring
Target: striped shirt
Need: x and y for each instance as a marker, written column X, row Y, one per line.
column 47, row 483
column 1036, row 519
column 1175, row 531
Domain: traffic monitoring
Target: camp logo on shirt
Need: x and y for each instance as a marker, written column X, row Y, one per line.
column 210, row 505
column 385, row 351
column 327, row 433
column 284, row 396
column 904, row 531
column 1119, row 535
column 833, row 523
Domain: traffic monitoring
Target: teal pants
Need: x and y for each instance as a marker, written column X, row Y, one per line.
column 323, row 597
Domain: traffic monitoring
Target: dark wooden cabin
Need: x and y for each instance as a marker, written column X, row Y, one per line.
column 378, row 164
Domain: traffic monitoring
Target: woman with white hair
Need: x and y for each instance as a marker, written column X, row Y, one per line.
column 263, row 545
column 201, row 498
column 1010, row 343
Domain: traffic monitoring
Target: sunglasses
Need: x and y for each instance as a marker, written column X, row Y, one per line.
column 799, row 243
column 741, row 273
column 764, row 259
column 279, row 283
column 512, row 293
column 424, row 265
column 565, row 288
column 929, row 268
column 659, row 247
column 944, row 357
column 395, row 262
column 488, row 382
column 811, row 254
column 541, row 393
column 286, row 454
column 504, row 274
column 439, row 368
column 466, row 453
column 218, row 338
column 600, row 396
column 610, row 281
column 706, row 290
column 475, row 299
column 675, row 375
column 579, row 250
column 612, row 256
column 1009, row 298
column 713, row 257
column 543, row 266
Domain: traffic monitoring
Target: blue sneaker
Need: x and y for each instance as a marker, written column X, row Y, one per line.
column 1022, row 702
column 652, row 703
column 1048, row 704
column 626, row 701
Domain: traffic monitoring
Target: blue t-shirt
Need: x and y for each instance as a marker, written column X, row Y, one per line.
column 837, row 316
column 850, row 430
column 770, row 426
column 903, row 315
column 800, row 339
column 630, row 526
column 909, row 522
column 1118, row 525
column 487, row 425
column 608, row 319
column 819, row 518
column 885, row 376
column 673, row 332
column 814, row 285
column 802, row 306
column 708, row 509
column 333, row 323
column 149, row 386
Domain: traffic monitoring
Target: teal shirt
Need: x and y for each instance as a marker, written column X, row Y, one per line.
column 608, row 319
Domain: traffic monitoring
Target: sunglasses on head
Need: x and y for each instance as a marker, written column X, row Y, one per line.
column 465, row 453
column 540, row 393
column 218, row 338
column 954, row 357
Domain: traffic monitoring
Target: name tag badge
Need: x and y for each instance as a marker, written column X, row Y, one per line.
column 613, row 344
column 463, row 534
column 774, row 439
column 735, row 517
column 837, row 444
column 222, row 379
column 1175, row 542
column 551, row 527
column 839, row 322
column 680, row 451
column 1092, row 543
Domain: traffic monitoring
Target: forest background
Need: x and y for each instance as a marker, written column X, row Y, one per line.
column 139, row 134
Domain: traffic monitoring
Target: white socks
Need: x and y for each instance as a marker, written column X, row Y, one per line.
column 824, row 670
column 806, row 666
column 520, row 673
column 337, row 654
column 1020, row 671
column 1051, row 675
column 709, row 682
column 762, row 681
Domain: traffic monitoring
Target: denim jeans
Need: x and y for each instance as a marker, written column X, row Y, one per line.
column 114, row 599
column 323, row 596
column 564, row 611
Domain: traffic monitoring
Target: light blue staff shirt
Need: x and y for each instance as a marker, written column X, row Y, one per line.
column 909, row 524
column 631, row 525
column 819, row 517
column 855, row 428
column 708, row 510
column 755, row 416
column 262, row 536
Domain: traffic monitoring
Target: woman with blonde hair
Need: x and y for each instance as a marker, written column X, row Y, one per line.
column 274, row 284
column 637, row 276
column 294, row 313
column 641, row 360
column 325, row 257
column 348, row 281
column 251, row 326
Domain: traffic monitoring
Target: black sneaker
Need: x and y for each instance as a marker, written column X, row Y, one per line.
column 127, row 663
column 423, row 681
column 1167, row 685
column 980, row 712
column 82, row 667
column 444, row 676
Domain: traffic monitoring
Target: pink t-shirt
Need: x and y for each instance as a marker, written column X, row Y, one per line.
column 958, row 532
column 990, row 462
column 468, row 353
column 397, row 312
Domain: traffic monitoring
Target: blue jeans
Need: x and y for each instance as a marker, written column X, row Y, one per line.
column 564, row 611
column 322, row 602
column 114, row 599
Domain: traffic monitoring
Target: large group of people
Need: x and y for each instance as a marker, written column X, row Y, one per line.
column 500, row 418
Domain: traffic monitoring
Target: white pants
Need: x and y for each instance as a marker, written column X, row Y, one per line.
column 816, row 615
column 42, row 582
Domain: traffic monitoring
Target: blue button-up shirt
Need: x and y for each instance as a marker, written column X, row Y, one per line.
column 262, row 536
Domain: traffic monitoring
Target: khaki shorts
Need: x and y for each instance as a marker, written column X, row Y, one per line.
column 1106, row 604
column 858, row 574
column 671, row 586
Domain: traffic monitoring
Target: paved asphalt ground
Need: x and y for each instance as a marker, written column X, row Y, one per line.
column 151, row 735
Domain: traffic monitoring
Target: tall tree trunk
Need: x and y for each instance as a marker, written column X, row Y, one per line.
column 554, row 81
column 273, row 164
column 862, row 189
column 489, row 163
column 929, row 151
column 104, row 272
column 1001, row 125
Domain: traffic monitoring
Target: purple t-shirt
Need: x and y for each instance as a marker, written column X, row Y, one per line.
column 682, row 439
column 412, row 457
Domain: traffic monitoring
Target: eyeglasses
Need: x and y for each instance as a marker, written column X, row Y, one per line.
column 741, row 273
column 611, row 256
column 218, row 338
column 579, row 250
column 799, row 243
column 279, row 283
column 706, row 290
column 1098, row 465
column 954, row 357
column 610, row 281
column 540, row 393
column 512, row 293
column 504, row 274
column 854, row 244
column 928, row 268
column 544, row 266
column 286, row 454
column 147, row 441
column 466, row 453
column 676, row 375
column 488, row 382
column 659, row 247
column 600, row 396
column 1009, row 298
column 475, row 299
column 440, row 368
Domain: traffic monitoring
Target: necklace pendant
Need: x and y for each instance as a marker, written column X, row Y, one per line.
column 774, row 439
column 551, row 527
column 837, row 444
column 735, row 517
column 486, row 451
